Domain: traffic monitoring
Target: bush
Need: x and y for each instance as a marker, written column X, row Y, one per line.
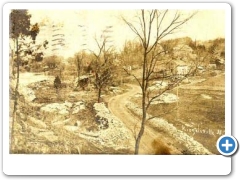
column 57, row 82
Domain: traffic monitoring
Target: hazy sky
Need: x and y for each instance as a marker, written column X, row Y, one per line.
column 206, row 24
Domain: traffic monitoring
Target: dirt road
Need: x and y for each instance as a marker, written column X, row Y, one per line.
column 117, row 105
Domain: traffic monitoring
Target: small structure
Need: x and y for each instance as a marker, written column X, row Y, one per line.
column 171, row 68
column 220, row 64
column 217, row 63
column 182, row 69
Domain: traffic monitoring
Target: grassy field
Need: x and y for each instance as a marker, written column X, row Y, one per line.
column 196, row 114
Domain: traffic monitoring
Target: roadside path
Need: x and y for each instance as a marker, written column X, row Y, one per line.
column 117, row 106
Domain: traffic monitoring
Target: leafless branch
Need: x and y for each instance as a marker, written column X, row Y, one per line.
column 133, row 28
column 138, row 80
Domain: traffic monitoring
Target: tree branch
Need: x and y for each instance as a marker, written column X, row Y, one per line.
column 138, row 81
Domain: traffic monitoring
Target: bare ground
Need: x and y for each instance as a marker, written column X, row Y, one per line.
column 117, row 105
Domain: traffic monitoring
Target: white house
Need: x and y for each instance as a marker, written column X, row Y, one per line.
column 182, row 69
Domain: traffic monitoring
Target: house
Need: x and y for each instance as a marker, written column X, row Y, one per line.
column 218, row 64
column 182, row 70
column 181, row 67
column 171, row 68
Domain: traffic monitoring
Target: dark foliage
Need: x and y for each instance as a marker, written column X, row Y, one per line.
column 57, row 82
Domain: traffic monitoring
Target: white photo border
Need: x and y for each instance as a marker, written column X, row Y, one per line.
column 14, row 164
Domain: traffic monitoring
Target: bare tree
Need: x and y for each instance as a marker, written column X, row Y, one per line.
column 103, row 64
column 151, row 27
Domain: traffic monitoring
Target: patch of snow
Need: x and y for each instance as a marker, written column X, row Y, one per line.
column 166, row 98
column 159, row 123
column 28, row 93
column 116, row 135
column 60, row 108
column 78, row 106
column 158, row 85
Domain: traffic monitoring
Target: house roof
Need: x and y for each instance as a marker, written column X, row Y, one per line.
column 179, row 62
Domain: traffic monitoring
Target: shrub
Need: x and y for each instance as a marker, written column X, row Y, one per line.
column 57, row 82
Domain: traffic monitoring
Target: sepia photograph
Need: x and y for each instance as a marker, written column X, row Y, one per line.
column 116, row 82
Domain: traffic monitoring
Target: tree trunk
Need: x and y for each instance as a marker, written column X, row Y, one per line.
column 16, row 94
column 141, row 132
column 99, row 94
column 144, row 111
column 78, row 69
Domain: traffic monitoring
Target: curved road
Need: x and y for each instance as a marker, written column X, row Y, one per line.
column 117, row 106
